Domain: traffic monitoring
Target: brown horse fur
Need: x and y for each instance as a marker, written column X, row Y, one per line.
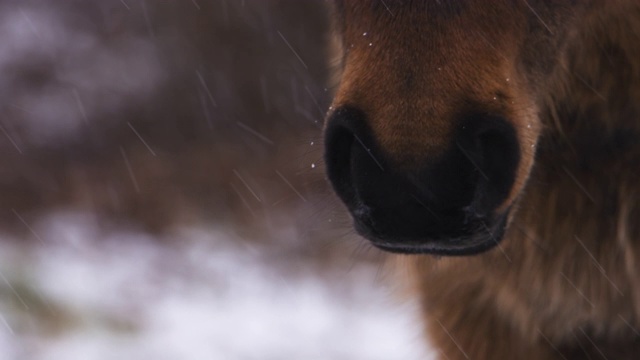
column 564, row 282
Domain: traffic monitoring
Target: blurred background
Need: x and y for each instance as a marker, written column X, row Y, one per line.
column 162, row 192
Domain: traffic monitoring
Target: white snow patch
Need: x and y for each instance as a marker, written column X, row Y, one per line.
column 199, row 296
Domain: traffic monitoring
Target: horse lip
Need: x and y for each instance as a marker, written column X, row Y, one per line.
column 486, row 236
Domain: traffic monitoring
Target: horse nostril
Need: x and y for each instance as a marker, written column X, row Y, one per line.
column 339, row 140
column 351, row 157
column 490, row 144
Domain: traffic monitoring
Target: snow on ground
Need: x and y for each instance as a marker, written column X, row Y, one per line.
column 82, row 292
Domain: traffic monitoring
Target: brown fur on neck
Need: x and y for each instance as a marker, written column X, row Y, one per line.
column 567, row 275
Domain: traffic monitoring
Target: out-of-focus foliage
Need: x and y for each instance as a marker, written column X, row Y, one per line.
column 157, row 112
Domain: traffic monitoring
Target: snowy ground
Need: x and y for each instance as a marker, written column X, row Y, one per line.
column 82, row 293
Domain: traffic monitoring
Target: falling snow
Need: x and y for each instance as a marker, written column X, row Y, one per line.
column 162, row 189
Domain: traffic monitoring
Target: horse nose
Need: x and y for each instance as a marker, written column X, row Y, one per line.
column 438, row 196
